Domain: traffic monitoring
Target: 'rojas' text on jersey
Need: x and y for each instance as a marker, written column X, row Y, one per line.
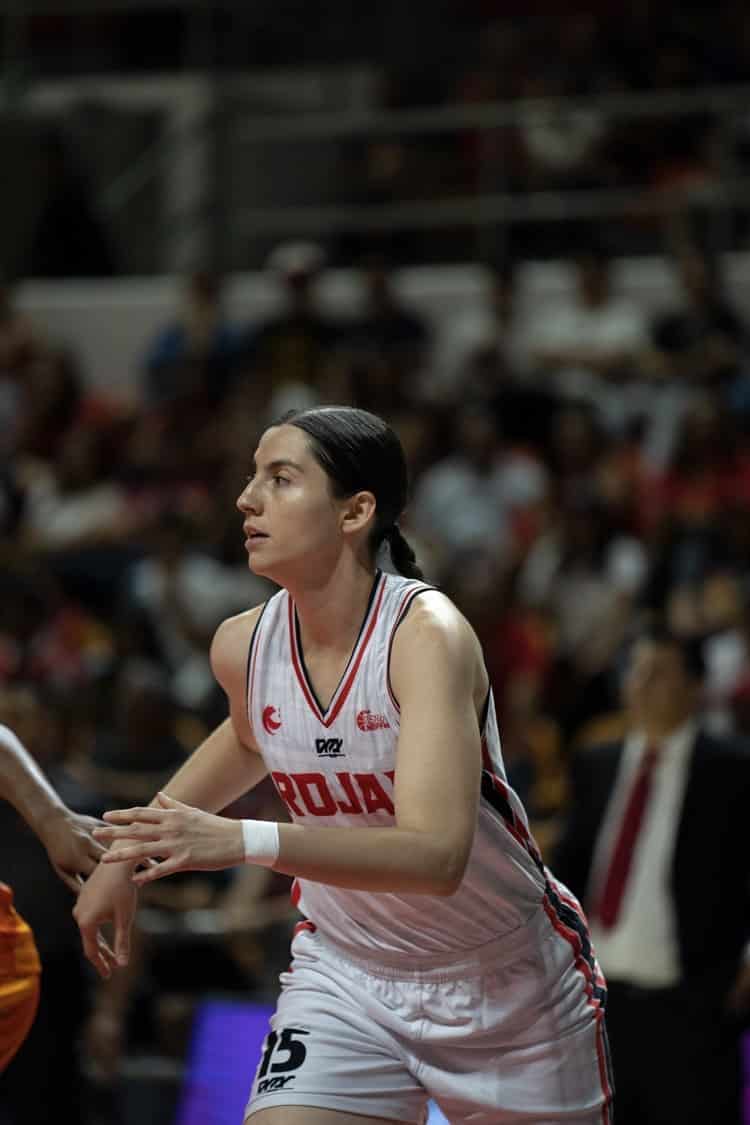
column 351, row 793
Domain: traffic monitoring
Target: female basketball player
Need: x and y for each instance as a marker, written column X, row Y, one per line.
column 438, row 956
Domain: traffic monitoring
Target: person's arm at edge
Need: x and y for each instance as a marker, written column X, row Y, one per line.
column 66, row 835
column 24, row 786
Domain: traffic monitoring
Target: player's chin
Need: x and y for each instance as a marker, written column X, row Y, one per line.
column 257, row 567
column 261, row 562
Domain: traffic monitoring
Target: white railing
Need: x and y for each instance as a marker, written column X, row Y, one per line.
column 196, row 216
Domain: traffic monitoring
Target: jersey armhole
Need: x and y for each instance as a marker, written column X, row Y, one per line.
column 405, row 607
column 249, row 665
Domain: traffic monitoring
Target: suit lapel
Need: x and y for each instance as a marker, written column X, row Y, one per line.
column 697, row 798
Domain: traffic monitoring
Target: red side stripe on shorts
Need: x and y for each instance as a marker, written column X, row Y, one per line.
column 584, row 969
column 555, row 899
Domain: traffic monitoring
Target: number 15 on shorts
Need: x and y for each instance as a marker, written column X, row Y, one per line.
column 283, row 1055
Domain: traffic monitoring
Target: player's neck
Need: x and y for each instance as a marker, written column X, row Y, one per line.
column 331, row 612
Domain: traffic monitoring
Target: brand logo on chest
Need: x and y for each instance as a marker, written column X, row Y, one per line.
column 367, row 720
column 329, row 747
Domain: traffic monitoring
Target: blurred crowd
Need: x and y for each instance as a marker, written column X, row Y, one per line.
column 574, row 472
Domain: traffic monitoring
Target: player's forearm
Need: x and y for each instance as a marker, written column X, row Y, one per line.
column 219, row 771
column 23, row 784
column 396, row 860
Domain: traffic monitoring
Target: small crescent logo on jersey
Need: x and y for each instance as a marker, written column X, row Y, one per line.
column 366, row 720
column 271, row 722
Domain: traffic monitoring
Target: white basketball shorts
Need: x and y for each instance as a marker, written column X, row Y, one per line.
column 510, row 1032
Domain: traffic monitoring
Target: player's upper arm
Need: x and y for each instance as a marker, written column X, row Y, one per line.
column 230, row 650
column 437, row 674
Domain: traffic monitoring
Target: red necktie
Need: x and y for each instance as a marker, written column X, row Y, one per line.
column 613, row 886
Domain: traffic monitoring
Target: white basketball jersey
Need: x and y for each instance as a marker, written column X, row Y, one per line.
column 335, row 768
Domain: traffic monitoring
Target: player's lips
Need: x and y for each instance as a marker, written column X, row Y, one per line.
column 253, row 535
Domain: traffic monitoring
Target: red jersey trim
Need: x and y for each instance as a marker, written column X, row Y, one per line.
column 339, row 698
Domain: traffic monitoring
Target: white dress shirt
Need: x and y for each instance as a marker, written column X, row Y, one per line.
column 642, row 948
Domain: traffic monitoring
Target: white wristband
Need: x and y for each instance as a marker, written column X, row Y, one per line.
column 261, row 841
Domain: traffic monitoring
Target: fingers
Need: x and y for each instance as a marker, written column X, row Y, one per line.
column 129, row 816
column 97, row 951
column 71, row 880
column 122, row 941
column 89, row 861
column 158, row 870
column 153, row 831
column 135, row 852
column 87, row 823
column 96, row 851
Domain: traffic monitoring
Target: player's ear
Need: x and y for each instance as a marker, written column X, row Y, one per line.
column 357, row 512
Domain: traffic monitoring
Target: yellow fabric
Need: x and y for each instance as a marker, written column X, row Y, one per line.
column 19, row 978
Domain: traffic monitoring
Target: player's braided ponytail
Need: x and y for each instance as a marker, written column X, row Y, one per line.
column 402, row 553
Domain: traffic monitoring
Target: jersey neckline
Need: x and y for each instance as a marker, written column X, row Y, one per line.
column 328, row 714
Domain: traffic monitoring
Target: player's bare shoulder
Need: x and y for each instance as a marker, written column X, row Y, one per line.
column 435, row 630
column 231, row 645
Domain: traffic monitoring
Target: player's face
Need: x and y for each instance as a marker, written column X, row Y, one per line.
column 289, row 514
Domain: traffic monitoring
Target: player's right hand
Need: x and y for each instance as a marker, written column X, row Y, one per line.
column 72, row 850
column 107, row 897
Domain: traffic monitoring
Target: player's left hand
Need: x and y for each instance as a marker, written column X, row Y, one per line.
column 71, row 847
column 181, row 837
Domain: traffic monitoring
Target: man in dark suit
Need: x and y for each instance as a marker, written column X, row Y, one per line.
column 656, row 846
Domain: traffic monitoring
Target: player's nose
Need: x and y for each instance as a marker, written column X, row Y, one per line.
column 247, row 500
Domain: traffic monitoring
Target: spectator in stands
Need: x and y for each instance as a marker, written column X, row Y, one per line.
column 53, row 394
column 45, row 639
column 78, row 514
column 136, row 746
column 656, row 846
column 704, row 341
column 726, row 651
column 12, row 501
column 590, row 347
column 20, row 343
column 709, row 469
column 588, row 581
column 387, row 327
column 387, row 345
column 471, row 498
column 78, row 502
column 297, row 344
column 494, row 322
column 194, row 355
column 558, row 146
column 180, row 593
